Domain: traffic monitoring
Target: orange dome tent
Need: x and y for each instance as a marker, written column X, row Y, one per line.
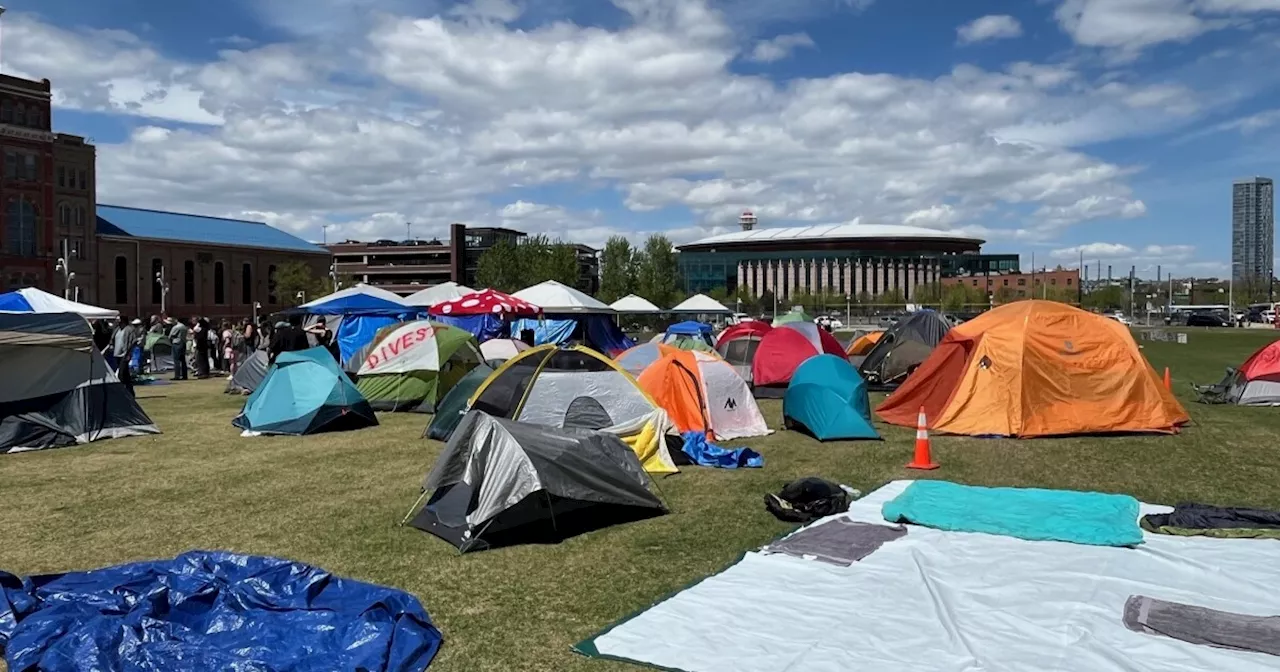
column 1036, row 368
column 863, row 344
column 701, row 392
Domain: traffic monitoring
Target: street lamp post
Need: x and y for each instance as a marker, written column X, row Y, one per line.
column 301, row 296
column 256, row 307
column 62, row 266
column 848, row 311
column 164, row 290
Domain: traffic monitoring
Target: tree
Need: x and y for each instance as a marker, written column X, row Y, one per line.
column 542, row 259
column 500, row 268
column 893, row 297
column 294, row 278
column 927, row 294
column 617, row 269
column 658, row 271
column 1105, row 298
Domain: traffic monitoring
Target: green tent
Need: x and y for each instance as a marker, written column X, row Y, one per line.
column 412, row 365
column 793, row 316
column 454, row 405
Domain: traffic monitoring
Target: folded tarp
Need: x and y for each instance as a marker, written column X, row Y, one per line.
column 706, row 454
column 210, row 611
column 949, row 602
column 1215, row 521
column 1198, row 625
column 1025, row 513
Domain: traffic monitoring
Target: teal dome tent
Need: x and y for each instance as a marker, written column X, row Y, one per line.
column 305, row 392
column 828, row 399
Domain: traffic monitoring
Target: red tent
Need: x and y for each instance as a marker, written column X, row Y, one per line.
column 485, row 302
column 785, row 348
column 748, row 328
column 1264, row 362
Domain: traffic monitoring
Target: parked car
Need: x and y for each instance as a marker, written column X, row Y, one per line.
column 1207, row 319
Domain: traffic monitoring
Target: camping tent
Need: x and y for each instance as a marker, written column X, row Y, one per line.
column 634, row 304
column 578, row 387
column 453, row 405
column 364, row 309
column 828, row 399
column 445, row 291
column 556, row 298
column 484, row 313
column 500, row 482
column 863, row 344
column 500, row 350
column 32, row 300
column 791, row 318
column 903, row 348
column 738, row 345
column 411, row 365
column 305, row 392
column 358, row 297
column 701, row 392
column 159, row 352
column 1255, row 383
column 785, row 348
column 57, row 390
column 249, row 374
column 701, row 304
column 637, row 359
column 689, row 336
column 1036, row 368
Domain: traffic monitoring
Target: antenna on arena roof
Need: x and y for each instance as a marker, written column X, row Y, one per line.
column 748, row 220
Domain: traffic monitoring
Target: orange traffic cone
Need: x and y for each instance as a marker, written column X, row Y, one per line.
column 923, row 458
column 1168, row 381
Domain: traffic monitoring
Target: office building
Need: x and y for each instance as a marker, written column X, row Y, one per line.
column 27, row 248
column 1253, row 224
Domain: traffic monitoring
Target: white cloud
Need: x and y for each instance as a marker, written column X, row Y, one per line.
column 991, row 27
column 435, row 120
column 780, row 47
column 1150, row 254
column 1130, row 26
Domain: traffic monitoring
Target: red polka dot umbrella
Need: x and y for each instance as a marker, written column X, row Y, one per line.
column 485, row 302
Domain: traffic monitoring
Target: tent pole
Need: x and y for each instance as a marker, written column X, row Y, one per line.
column 409, row 515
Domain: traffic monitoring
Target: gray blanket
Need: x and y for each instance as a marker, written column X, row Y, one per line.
column 1198, row 625
column 839, row 542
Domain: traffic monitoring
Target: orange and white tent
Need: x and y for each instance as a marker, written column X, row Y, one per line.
column 701, row 392
column 1036, row 368
column 863, row 344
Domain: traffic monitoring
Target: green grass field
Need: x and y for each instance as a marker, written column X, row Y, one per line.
column 334, row 500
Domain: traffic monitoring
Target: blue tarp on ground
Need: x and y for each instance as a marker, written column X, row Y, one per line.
column 707, row 454
column 483, row 327
column 828, row 398
column 210, row 611
column 1091, row 518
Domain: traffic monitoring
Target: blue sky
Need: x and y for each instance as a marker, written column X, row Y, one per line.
column 1046, row 127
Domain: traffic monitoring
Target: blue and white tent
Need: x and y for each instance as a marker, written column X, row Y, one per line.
column 32, row 300
column 364, row 310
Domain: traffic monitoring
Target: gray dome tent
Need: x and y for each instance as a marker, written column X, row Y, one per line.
column 903, row 348
column 501, row 482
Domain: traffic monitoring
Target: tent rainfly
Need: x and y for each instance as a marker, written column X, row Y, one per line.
column 32, row 300
column 701, row 304
column 555, row 298
column 430, row 296
column 634, row 304
column 358, row 297
column 501, row 482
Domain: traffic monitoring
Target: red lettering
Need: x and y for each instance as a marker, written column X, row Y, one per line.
column 372, row 361
column 394, row 347
column 422, row 333
column 405, row 342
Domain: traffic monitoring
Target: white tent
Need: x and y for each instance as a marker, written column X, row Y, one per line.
column 367, row 290
column 430, row 296
column 554, row 297
column 634, row 304
column 701, row 304
column 32, row 300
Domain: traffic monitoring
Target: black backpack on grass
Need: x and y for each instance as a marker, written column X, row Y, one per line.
column 807, row 499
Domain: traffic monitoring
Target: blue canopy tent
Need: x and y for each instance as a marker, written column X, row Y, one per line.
column 363, row 313
column 690, row 335
column 598, row 332
column 483, row 327
column 828, row 399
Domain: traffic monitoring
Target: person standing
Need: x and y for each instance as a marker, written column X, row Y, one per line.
column 122, row 344
column 178, row 338
column 281, row 341
column 324, row 337
column 200, row 335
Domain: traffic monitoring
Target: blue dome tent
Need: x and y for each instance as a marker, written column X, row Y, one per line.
column 828, row 399
column 305, row 392
column 364, row 310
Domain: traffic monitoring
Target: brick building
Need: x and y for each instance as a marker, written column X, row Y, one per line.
column 212, row 267
column 1018, row 285
column 27, row 248
column 75, row 203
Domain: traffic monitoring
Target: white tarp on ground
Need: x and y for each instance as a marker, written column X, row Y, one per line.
column 953, row 602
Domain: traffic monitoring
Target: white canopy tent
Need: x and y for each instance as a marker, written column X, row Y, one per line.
column 430, row 296
column 367, row 290
column 701, row 304
column 39, row 301
column 634, row 304
column 554, row 297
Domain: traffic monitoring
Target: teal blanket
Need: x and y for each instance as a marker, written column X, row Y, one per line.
column 1026, row 513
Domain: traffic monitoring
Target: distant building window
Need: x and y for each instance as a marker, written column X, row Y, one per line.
column 19, row 113
column 1053, row 281
column 77, row 252
column 975, row 282
column 30, row 169
column 189, row 282
column 62, row 176
column 64, row 215
column 79, row 221
column 219, row 283
column 1022, row 282
column 246, row 284
column 157, row 282
column 122, row 281
column 20, row 229
column 1068, row 282
column 33, row 117
column 12, row 164
column 271, row 285
column 82, row 178
column 6, row 112
column 1006, row 282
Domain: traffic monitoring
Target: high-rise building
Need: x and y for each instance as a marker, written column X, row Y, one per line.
column 1253, row 225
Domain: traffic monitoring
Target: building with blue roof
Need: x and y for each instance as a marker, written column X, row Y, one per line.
column 152, row 262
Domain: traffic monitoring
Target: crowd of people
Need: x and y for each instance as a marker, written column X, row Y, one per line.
column 209, row 347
